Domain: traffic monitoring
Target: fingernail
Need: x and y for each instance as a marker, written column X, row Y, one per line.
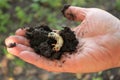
column 66, row 6
column 11, row 45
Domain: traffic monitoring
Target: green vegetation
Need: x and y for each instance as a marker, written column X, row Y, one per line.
column 4, row 4
column 118, row 5
column 4, row 20
column 98, row 78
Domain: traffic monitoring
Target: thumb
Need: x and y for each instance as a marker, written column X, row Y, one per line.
column 74, row 13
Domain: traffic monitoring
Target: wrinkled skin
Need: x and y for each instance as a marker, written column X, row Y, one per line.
column 98, row 48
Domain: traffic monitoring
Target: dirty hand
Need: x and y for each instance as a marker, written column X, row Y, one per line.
column 98, row 48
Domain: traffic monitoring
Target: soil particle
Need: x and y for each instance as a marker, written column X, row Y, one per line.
column 11, row 45
column 63, row 61
column 43, row 45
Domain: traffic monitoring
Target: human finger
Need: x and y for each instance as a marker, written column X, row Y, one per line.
column 18, row 48
column 20, row 32
column 16, row 39
column 74, row 13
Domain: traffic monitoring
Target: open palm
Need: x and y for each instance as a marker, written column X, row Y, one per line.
column 98, row 48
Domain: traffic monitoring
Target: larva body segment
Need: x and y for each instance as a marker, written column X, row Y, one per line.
column 59, row 40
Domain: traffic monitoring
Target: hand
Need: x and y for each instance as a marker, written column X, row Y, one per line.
column 98, row 48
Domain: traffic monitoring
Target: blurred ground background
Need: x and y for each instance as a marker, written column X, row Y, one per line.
column 16, row 13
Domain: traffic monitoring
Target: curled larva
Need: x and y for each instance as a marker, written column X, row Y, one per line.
column 59, row 40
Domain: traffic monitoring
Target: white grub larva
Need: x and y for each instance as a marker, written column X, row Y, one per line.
column 59, row 40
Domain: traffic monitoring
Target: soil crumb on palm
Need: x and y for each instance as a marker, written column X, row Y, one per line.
column 43, row 45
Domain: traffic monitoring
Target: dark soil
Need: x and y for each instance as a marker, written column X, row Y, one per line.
column 42, row 44
column 11, row 45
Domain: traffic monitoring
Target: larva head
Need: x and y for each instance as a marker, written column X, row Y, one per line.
column 51, row 34
column 56, row 48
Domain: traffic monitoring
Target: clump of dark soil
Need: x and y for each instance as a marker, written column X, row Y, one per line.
column 43, row 45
